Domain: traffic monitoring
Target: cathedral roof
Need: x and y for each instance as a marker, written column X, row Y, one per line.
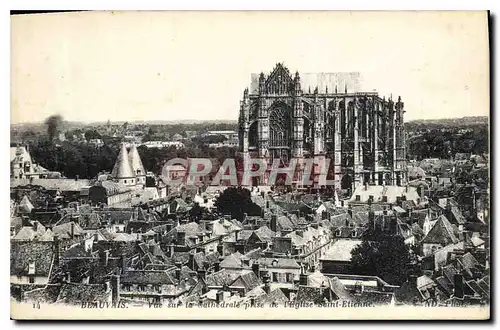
column 122, row 168
column 135, row 161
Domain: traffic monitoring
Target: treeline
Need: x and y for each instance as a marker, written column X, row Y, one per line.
column 87, row 161
column 437, row 144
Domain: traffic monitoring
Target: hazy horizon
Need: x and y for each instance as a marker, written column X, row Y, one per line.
column 193, row 66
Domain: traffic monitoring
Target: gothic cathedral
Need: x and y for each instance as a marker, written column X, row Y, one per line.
column 361, row 133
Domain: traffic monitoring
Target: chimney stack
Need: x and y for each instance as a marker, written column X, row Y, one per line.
column 256, row 268
column 72, row 233
column 459, row 286
column 274, row 220
column 202, row 273
column 267, row 283
column 178, row 267
column 115, row 289
column 56, row 250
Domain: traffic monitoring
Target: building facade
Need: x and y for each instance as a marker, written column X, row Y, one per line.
column 360, row 132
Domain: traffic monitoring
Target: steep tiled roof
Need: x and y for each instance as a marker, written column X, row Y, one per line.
column 146, row 277
column 441, row 233
column 279, row 263
column 25, row 206
column 53, row 184
column 341, row 250
column 76, row 293
column 247, row 279
column 222, row 277
column 276, row 296
column 64, row 230
column 24, row 254
column 232, row 261
column 392, row 192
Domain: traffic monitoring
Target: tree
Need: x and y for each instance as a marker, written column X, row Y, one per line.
column 236, row 201
column 383, row 255
column 92, row 134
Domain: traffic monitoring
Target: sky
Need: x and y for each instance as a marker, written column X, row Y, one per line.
column 128, row 66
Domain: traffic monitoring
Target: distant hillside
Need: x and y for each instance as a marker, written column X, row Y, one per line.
column 450, row 122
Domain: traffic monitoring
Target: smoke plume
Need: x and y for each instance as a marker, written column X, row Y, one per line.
column 54, row 124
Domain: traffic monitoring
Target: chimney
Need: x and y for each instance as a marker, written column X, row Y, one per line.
column 170, row 251
column 267, row 283
column 366, row 186
column 181, row 238
column 412, row 280
column 217, row 266
column 115, row 289
column 274, row 220
column 56, row 250
column 104, row 257
column 394, row 225
column 219, row 297
column 72, row 232
column 169, row 226
column 349, row 210
column 244, row 217
column 459, row 286
column 67, row 277
column 35, row 225
column 256, row 268
column 191, row 261
column 220, row 249
column 303, row 279
column 202, row 273
column 236, row 235
column 178, row 267
column 123, row 264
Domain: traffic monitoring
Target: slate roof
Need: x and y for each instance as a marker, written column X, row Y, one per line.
column 392, row 192
column 135, row 161
column 123, row 168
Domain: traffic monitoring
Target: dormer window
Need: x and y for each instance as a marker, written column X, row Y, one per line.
column 354, row 234
column 338, row 232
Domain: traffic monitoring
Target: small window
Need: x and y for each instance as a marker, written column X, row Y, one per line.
column 384, row 199
column 125, row 181
column 32, row 279
column 358, row 198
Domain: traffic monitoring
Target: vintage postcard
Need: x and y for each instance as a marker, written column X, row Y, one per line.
column 278, row 165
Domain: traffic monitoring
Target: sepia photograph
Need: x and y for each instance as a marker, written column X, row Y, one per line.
column 250, row 165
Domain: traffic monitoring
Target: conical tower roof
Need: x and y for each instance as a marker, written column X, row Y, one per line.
column 122, row 168
column 135, row 161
